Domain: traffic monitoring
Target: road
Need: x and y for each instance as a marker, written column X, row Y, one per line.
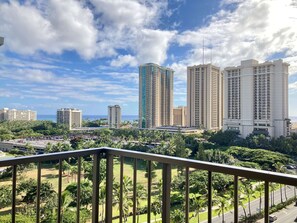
column 285, row 215
column 229, row 216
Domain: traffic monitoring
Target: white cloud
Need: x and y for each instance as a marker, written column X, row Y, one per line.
column 54, row 26
column 151, row 45
column 63, row 25
column 124, row 60
column 255, row 29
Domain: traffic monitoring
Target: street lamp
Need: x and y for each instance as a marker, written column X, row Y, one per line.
column 1, row 40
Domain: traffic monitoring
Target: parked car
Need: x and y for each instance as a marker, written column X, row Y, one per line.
column 272, row 218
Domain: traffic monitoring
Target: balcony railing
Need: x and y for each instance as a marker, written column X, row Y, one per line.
column 167, row 163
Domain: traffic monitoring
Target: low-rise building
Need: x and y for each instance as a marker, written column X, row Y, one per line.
column 179, row 116
column 17, row 115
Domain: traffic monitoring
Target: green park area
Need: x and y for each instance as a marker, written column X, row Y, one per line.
column 256, row 151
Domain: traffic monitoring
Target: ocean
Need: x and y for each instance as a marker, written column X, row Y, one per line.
column 53, row 118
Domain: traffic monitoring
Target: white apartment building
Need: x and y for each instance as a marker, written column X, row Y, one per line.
column 114, row 116
column 256, row 98
column 180, row 116
column 155, row 96
column 204, row 97
column 17, row 115
column 71, row 117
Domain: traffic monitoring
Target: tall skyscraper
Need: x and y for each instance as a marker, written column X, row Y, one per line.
column 17, row 115
column 71, row 117
column 155, row 96
column 180, row 116
column 256, row 98
column 114, row 116
column 204, row 97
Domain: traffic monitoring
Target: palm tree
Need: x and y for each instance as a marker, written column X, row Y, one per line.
column 178, row 216
column 279, row 167
column 260, row 189
column 156, row 208
column 223, row 202
column 198, row 203
column 140, row 195
column 66, row 201
column 127, row 203
column 102, row 197
column 248, row 190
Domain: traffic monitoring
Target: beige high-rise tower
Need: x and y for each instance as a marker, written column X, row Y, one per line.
column 155, row 96
column 71, row 117
column 257, row 98
column 114, row 116
column 204, row 97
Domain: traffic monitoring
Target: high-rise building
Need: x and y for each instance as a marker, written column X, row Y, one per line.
column 204, row 97
column 155, row 96
column 114, row 116
column 17, row 115
column 71, row 117
column 256, row 98
column 180, row 116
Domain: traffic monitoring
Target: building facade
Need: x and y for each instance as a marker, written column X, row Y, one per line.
column 114, row 116
column 71, row 117
column 180, row 116
column 155, row 96
column 17, row 115
column 204, row 97
column 257, row 98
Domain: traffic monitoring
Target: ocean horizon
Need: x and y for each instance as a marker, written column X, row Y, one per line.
column 53, row 118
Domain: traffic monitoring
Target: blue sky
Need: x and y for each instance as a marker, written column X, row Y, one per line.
column 85, row 54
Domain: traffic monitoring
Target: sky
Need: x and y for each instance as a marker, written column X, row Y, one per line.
column 85, row 53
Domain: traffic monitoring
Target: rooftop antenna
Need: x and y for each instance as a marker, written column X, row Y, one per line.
column 203, row 52
column 211, row 54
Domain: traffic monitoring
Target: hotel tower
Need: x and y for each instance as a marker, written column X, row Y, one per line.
column 155, row 96
column 204, row 97
column 256, row 98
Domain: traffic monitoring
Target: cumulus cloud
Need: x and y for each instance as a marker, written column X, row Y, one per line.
column 124, row 60
column 254, row 29
column 63, row 25
column 97, row 28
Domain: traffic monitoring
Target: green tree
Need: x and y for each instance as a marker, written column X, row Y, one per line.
column 223, row 203
column 5, row 196
column 198, row 202
column 140, row 195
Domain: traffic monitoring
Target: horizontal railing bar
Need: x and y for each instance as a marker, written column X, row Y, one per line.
column 261, row 175
column 48, row 157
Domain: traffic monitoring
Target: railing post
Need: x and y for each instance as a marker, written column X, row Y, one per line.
column 209, row 188
column 187, row 195
column 109, row 187
column 95, row 202
column 60, row 192
column 235, row 199
column 266, row 208
column 166, row 178
column 78, row 190
column 14, row 175
column 38, row 192
column 134, row 190
column 121, row 187
column 149, row 189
